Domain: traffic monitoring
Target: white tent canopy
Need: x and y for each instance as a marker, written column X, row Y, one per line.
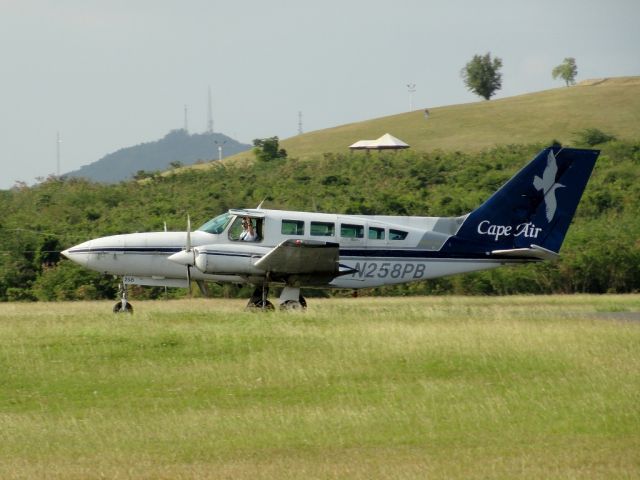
column 385, row 142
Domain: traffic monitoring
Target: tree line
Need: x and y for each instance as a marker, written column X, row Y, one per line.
column 601, row 252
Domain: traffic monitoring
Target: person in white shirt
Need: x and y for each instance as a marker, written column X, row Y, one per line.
column 248, row 232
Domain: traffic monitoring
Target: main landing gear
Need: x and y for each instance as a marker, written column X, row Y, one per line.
column 290, row 299
column 122, row 306
column 258, row 300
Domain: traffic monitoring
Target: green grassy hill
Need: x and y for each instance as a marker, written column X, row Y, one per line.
column 611, row 105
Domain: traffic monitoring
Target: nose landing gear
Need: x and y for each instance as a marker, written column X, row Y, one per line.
column 122, row 306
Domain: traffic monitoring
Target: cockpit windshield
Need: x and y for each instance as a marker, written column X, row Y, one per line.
column 218, row 224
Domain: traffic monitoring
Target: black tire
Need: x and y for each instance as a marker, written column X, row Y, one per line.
column 117, row 308
column 292, row 305
column 261, row 306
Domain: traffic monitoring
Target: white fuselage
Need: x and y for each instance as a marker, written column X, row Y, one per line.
column 380, row 250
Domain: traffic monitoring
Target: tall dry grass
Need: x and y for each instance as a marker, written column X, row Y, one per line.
column 447, row 387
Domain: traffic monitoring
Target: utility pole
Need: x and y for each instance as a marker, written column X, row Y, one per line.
column 411, row 88
column 186, row 121
column 209, row 114
column 299, row 123
column 220, row 144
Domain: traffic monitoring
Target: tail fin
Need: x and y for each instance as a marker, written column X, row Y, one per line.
column 535, row 207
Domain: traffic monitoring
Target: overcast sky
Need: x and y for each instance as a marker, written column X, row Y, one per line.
column 108, row 74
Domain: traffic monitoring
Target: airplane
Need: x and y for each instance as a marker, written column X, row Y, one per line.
column 525, row 220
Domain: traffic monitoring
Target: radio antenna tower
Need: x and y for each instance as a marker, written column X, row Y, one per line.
column 186, row 122
column 299, row 123
column 209, row 114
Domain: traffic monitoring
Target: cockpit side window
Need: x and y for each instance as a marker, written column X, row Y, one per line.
column 246, row 229
column 218, row 224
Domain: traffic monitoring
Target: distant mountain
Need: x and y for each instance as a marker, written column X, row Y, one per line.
column 176, row 146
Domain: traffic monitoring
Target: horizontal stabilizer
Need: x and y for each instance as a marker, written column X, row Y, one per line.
column 534, row 251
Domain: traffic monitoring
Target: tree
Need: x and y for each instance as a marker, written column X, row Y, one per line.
column 567, row 71
column 482, row 75
column 266, row 149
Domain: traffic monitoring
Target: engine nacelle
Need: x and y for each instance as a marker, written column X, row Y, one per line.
column 234, row 259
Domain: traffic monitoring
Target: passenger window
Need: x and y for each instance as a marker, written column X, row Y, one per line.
column 376, row 233
column 351, row 231
column 397, row 234
column 323, row 229
column 292, row 227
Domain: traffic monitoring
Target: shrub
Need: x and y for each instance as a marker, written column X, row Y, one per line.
column 593, row 137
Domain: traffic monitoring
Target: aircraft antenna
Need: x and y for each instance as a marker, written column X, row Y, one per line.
column 209, row 114
column 299, row 123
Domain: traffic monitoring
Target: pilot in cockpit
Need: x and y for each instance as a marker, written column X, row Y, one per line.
column 248, row 231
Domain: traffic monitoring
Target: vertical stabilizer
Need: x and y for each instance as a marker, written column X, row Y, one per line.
column 534, row 207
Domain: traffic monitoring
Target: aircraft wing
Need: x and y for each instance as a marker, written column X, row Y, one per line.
column 302, row 257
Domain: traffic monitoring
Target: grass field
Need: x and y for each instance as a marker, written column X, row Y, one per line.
column 446, row 387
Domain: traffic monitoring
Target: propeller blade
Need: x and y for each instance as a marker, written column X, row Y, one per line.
column 188, row 246
column 189, row 279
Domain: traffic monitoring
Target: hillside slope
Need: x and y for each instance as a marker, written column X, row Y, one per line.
column 611, row 105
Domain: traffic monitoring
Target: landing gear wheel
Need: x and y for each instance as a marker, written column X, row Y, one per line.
column 292, row 305
column 263, row 306
column 258, row 300
column 122, row 305
column 117, row 308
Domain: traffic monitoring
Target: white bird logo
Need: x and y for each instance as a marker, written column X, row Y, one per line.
column 547, row 184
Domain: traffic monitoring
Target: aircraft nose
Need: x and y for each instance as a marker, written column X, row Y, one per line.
column 77, row 253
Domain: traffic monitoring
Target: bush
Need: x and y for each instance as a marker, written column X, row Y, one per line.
column 593, row 137
column 68, row 281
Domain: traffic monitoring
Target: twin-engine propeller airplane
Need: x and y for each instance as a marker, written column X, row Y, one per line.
column 524, row 221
